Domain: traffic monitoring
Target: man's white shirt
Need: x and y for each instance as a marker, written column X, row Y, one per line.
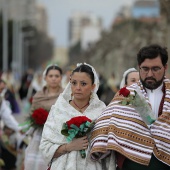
column 155, row 97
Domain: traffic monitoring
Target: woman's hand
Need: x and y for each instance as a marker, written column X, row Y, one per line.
column 75, row 145
column 78, row 144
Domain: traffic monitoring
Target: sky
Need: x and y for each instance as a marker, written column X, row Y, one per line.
column 59, row 11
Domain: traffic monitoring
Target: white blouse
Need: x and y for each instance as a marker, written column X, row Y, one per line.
column 155, row 97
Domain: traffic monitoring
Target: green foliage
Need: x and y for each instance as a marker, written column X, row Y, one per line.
column 129, row 100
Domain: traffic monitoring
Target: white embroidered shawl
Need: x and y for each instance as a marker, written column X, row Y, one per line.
column 52, row 138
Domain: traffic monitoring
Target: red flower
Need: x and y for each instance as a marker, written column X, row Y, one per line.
column 124, row 91
column 40, row 116
column 78, row 121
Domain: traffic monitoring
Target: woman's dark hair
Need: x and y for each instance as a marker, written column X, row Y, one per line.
column 86, row 69
column 54, row 67
column 151, row 52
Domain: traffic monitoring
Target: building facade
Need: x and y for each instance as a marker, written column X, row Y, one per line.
column 146, row 8
column 81, row 24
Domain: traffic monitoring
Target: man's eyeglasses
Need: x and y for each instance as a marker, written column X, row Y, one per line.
column 154, row 70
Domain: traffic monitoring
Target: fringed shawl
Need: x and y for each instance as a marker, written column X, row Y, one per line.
column 120, row 128
column 42, row 99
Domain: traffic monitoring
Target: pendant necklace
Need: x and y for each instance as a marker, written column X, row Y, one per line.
column 80, row 108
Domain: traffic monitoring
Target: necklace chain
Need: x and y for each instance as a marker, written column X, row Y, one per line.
column 81, row 107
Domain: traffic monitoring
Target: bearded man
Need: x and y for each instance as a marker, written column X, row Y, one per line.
column 121, row 129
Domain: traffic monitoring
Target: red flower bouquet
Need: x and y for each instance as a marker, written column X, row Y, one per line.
column 37, row 119
column 77, row 127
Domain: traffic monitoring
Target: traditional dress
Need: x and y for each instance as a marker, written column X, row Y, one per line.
column 52, row 138
column 33, row 158
column 120, row 128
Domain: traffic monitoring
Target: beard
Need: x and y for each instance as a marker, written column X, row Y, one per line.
column 153, row 84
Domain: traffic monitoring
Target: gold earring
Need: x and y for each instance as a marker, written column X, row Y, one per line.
column 91, row 95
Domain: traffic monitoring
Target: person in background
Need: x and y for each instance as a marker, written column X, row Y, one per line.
column 8, row 124
column 37, row 84
column 130, row 76
column 78, row 99
column 10, row 81
column 9, row 121
column 121, row 128
column 42, row 99
column 110, row 89
column 8, row 143
column 9, row 96
column 25, row 83
column 112, row 83
column 102, row 85
column 7, row 117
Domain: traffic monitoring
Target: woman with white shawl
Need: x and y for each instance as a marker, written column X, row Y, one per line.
column 42, row 99
column 78, row 99
column 130, row 76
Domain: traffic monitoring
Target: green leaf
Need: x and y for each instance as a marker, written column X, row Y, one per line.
column 83, row 153
column 135, row 92
column 131, row 98
column 64, row 130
